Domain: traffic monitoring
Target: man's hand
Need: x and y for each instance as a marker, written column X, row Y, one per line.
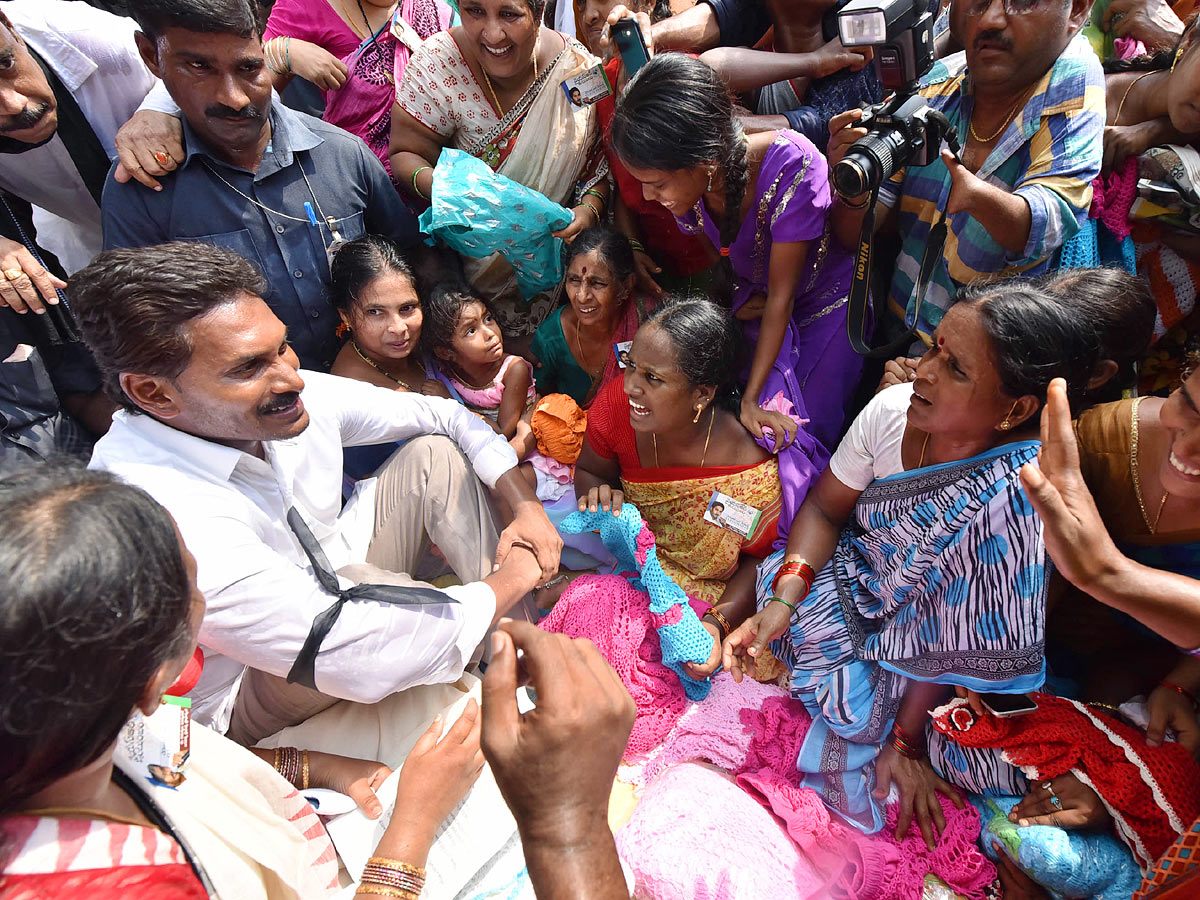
column 149, row 146
column 1150, row 21
column 24, row 282
column 1124, row 141
column 555, row 764
column 316, row 64
column 1074, row 533
column 901, row 370
column 964, row 185
column 1167, row 708
column 530, row 526
column 833, row 57
column 746, row 643
column 608, row 49
column 843, row 131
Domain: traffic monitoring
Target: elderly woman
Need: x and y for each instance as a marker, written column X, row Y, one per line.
column 762, row 202
column 667, row 436
column 493, row 87
column 101, row 613
column 575, row 347
column 916, row 563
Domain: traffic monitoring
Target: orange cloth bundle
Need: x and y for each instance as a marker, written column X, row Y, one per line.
column 558, row 424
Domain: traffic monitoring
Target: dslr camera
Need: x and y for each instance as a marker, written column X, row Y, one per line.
column 902, row 130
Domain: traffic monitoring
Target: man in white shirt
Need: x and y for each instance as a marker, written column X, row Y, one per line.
column 70, row 77
column 221, row 427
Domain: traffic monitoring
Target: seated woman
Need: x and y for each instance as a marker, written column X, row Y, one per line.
column 762, row 201
column 574, row 347
column 375, row 293
column 916, row 563
column 355, row 53
column 493, row 87
column 1081, row 544
column 101, row 615
column 678, row 386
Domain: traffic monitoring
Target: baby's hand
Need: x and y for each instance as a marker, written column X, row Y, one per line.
column 434, row 388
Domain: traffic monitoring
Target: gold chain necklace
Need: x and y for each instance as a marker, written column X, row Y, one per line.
column 1125, row 96
column 707, row 437
column 991, row 137
column 492, row 90
column 380, row 369
column 1133, row 471
column 924, row 444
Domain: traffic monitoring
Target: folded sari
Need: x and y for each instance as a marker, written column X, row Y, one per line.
column 698, row 555
column 940, row 576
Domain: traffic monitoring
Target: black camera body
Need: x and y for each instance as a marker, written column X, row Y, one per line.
column 903, row 129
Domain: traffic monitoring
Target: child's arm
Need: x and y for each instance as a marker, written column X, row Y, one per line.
column 517, row 381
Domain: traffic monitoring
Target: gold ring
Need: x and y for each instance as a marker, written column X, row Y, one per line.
column 12, row 274
column 161, row 157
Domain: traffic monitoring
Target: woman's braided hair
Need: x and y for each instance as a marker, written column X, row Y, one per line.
column 675, row 114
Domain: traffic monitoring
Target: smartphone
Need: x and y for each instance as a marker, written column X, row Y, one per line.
column 627, row 35
column 1005, row 705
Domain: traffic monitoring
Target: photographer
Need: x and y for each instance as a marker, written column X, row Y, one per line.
column 1027, row 99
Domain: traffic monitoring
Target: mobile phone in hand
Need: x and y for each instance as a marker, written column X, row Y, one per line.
column 627, row 35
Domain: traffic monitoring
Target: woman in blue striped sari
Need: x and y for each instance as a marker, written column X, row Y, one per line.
column 927, row 563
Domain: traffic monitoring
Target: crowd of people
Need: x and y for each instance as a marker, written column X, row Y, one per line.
column 341, row 555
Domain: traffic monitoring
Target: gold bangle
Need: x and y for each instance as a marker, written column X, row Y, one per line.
column 592, row 208
column 384, row 891
column 304, row 770
column 722, row 622
column 397, row 864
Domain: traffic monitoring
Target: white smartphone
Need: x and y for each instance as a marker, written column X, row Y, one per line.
column 1004, row 706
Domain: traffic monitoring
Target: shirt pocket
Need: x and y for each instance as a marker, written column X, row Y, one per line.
column 240, row 242
column 351, row 226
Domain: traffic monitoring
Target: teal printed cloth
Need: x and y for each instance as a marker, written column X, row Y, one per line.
column 477, row 212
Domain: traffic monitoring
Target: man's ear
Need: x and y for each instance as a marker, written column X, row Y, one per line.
column 153, row 393
column 149, row 52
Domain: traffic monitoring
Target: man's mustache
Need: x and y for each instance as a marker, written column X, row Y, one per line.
column 995, row 39
column 26, row 118
column 283, row 401
column 221, row 111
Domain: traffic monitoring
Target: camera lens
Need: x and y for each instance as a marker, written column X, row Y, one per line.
column 870, row 161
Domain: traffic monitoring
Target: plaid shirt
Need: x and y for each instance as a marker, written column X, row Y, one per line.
column 1048, row 155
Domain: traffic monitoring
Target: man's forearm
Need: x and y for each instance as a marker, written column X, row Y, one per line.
column 1005, row 215
column 695, row 30
column 512, row 489
column 587, row 870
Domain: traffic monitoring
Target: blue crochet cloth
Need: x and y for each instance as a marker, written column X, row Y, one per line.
column 477, row 212
column 1071, row 864
column 684, row 641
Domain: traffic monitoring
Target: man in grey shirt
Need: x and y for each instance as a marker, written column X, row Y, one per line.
column 278, row 187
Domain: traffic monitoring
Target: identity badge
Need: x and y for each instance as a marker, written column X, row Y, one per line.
column 405, row 33
column 159, row 745
column 621, row 350
column 732, row 515
column 588, row 87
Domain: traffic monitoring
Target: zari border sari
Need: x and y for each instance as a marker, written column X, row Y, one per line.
column 940, row 576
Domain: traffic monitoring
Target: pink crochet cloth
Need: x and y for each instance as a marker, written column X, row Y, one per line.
column 723, row 728
column 616, row 617
column 696, row 836
column 1112, row 198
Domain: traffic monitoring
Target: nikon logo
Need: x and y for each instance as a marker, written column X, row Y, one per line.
column 864, row 253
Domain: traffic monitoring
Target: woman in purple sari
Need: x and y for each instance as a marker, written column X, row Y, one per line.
column 763, row 201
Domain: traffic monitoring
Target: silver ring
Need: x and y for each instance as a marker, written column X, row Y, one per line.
column 1054, row 801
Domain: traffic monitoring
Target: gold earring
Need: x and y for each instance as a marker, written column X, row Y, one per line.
column 1174, row 62
column 1006, row 424
column 699, row 409
column 711, row 172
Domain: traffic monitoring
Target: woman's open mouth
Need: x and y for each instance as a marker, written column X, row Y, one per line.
column 636, row 409
column 1183, row 468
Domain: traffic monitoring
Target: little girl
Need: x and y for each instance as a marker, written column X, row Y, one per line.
column 464, row 336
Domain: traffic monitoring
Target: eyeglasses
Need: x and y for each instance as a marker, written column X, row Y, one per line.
column 1011, row 7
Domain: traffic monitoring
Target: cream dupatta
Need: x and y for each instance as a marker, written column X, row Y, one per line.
column 550, row 153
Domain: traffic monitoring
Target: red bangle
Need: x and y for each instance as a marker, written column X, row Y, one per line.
column 797, row 567
column 904, row 745
column 1190, row 697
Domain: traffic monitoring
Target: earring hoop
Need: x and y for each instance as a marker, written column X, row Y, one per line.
column 699, row 409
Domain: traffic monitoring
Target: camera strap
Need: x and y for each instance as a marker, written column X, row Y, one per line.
column 859, row 306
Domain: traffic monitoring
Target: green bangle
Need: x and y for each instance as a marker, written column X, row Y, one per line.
column 595, row 193
column 593, row 209
column 637, row 246
column 784, row 602
column 417, row 190
column 287, row 51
